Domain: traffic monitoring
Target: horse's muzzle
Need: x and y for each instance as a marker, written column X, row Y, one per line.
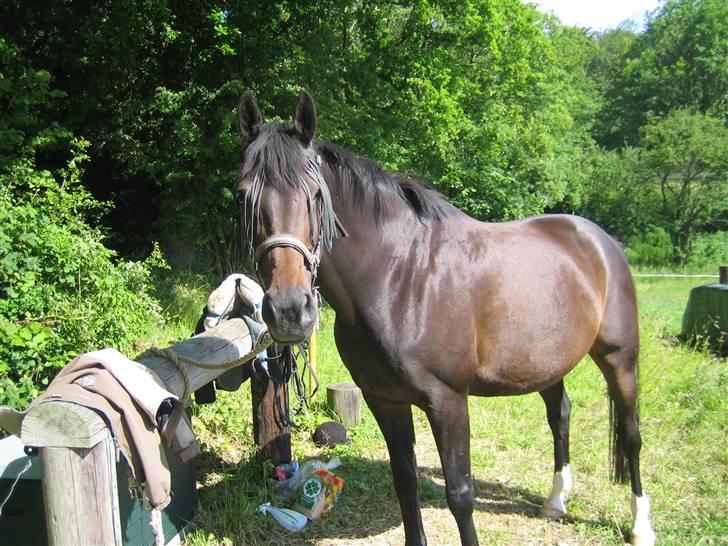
column 290, row 314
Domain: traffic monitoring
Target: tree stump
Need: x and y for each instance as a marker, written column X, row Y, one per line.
column 345, row 400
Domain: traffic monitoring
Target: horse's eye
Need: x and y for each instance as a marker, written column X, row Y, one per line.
column 240, row 196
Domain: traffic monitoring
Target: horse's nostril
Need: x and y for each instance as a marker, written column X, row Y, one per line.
column 308, row 308
column 289, row 315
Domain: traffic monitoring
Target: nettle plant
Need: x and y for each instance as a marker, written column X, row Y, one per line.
column 63, row 291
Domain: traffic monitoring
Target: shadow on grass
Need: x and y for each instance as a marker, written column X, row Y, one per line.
column 367, row 507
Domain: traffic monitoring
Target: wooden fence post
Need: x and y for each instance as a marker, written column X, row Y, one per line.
column 80, row 494
column 270, row 431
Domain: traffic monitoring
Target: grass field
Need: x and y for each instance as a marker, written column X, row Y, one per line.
column 684, row 419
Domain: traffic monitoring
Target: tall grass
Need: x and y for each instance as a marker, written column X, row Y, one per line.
column 684, row 420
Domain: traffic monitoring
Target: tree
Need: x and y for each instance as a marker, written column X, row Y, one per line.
column 686, row 156
column 678, row 62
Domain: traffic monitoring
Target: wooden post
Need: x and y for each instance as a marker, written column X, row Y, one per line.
column 77, row 454
column 80, row 494
column 345, row 400
column 723, row 274
column 271, row 433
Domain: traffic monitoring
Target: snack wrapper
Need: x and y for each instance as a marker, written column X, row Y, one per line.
column 318, row 494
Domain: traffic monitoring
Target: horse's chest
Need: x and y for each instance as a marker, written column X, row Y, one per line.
column 375, row 368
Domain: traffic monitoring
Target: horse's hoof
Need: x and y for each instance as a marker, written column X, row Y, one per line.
column 549, row 512
column 645, row 537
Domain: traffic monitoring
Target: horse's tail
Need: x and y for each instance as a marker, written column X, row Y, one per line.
column 618, row 466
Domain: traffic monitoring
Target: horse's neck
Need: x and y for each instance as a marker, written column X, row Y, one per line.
column 356, row 267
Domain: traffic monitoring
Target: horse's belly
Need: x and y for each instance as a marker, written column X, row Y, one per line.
column 515, row 359
column 521, row 378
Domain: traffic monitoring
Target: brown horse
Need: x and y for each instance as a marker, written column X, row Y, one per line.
column 432, row 305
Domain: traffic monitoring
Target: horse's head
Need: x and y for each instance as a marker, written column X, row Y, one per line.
column 288, row 214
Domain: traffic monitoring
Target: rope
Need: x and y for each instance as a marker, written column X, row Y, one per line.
column 179, row 361
column 155, row 522
column 12, row 488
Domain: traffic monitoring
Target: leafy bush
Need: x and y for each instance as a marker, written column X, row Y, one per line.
column 653, row 249
column 709, row 250
column 64, row 292
column 183, row 295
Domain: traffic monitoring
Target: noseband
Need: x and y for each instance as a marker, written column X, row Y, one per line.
column 311, row 259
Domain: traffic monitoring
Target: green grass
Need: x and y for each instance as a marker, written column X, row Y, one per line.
column 684, row 418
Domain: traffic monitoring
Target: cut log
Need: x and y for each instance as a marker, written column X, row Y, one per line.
column 345, row 400
column 64, row 424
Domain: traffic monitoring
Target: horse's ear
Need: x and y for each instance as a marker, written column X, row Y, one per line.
column 304, row 121
column 250, row 120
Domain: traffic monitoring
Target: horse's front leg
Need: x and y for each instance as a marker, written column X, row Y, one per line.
column 448, row 415
column 395, row 421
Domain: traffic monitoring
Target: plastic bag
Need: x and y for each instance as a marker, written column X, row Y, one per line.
column 289, row 519
column 288, row 489
column 318, row 494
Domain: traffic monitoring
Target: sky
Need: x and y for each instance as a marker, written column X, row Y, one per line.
column 598, row 14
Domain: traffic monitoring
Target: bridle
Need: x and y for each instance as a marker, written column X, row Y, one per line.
column 319, row 235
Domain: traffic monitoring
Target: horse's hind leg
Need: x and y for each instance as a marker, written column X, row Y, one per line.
column 558, row 410
column 395, row 422
column 448, row 416
column 619, row 367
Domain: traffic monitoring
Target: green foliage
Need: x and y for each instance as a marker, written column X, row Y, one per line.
column 678, row 62
column 183, row 296
column 686, row 158
column 63, row 291
column 491, row 101
column 26, row 96
column 708, row 251
column 653, row 249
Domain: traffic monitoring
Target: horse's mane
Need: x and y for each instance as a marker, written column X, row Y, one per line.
column 367, row 179
column 278, row 158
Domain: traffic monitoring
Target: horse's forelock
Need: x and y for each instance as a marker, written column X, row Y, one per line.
column 277, row 158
